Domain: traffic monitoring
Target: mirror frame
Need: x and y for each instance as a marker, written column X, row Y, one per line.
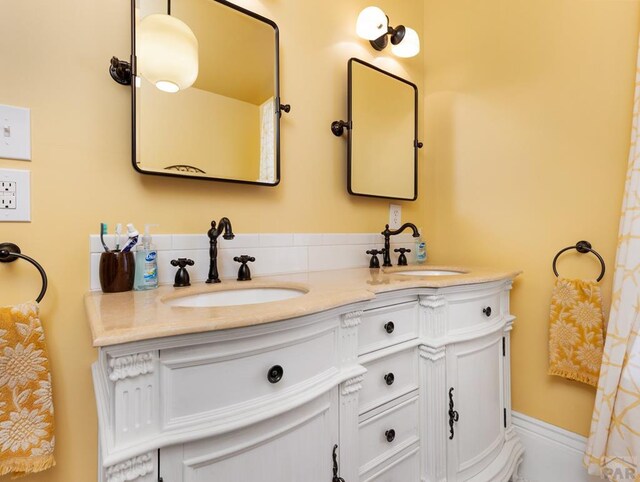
column 350, row 128
column 278, row 108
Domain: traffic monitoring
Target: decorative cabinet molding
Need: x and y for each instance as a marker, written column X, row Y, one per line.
column 132, row 469
column 351, row 320
column 372, row 377
column 351, row 386
column 130, row 366
column 433, row 408
column 433, row 319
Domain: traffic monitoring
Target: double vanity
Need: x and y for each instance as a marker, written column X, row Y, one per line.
column 395, row 375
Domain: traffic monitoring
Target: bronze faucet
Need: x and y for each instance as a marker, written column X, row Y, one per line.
column 387, row 243
column 213, row 234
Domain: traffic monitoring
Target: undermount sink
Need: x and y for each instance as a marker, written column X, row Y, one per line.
column 235, row 297
column 429, row 272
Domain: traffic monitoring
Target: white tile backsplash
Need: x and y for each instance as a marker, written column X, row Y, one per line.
column 274, row 253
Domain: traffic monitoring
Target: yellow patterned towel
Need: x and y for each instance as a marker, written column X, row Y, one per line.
column 576, row 328
column 26, row 407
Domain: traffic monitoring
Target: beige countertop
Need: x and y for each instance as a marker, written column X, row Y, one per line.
column 140, row 315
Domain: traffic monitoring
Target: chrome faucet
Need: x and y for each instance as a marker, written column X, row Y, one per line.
column 387, row 243
column 213, row 234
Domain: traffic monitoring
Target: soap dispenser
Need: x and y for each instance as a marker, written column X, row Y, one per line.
column 146, row 263
column 421, row 250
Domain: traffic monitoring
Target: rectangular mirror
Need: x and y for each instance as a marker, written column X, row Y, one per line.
column 226, row 125
column 383, row 129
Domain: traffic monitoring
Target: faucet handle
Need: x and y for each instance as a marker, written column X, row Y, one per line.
column 182, row 276
column 244, row 274
column 402, row 259
column 374, row 262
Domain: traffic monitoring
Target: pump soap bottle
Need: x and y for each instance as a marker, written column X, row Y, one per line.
column 421, row 250
column 146, row 263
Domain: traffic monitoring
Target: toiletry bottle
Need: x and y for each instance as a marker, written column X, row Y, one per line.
column 133, row 238
column 421, row 250
column 146, row 263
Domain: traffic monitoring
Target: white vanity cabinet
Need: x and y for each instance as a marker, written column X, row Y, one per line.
column 259, row 403
column 388, row 381
column 448, row 352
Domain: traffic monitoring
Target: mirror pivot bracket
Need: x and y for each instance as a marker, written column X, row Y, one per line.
column 338, row 127
column 120, row 71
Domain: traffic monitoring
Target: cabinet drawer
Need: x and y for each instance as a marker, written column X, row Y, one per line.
column 387, row 326
column 198, row 381
column 474, row 311
column 387, row 433
column 378, row 387
column 406, row 469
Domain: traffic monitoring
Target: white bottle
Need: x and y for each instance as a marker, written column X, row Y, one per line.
column 146, row 263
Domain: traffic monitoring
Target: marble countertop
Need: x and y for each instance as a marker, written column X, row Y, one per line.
column 140, row 315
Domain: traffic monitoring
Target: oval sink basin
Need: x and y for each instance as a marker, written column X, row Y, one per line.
column 429, row 272
column 250, row 296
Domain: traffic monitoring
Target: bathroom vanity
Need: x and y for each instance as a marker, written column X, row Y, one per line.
column 366, row 375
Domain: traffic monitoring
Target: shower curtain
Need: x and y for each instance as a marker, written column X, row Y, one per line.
column 613, row 449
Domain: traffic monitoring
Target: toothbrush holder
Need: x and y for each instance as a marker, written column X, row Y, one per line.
column 117, row 271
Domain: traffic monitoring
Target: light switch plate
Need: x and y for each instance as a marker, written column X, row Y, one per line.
column 15, row 133
column 15, row 195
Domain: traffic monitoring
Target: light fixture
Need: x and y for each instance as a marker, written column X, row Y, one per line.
column 167, row 54
column 373, row 25
column 409, row 46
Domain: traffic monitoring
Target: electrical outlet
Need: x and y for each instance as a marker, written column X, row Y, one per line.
column 15, row 202
column 8, row 200
column 395, row 216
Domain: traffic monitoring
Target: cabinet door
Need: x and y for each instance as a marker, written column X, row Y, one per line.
column 296, row 446
column 475, row 380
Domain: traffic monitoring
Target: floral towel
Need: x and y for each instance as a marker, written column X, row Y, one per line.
column 576, row 328
column 26, row 407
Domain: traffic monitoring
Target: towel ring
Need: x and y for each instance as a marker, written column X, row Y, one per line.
column 582, row 247
column 9, row 252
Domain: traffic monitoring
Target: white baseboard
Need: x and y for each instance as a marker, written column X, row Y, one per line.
column 551, row 454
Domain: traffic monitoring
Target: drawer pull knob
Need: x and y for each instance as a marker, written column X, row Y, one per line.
column 389, row 378
column 389, row 327
column 275, row 374
column 390, row 435
column 487, row 311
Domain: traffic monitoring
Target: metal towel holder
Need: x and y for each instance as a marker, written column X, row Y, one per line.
column 582, row 247
column 9, row 252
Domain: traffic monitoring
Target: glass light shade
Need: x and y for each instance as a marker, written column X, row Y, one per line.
column 372, row 23
column 410, row 45
column 167, row 52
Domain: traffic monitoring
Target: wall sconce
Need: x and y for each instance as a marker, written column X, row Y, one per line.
column 167, row 54
column 373, row 25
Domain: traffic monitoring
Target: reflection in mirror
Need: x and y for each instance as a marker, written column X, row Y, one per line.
column 382, row 157
column 226, row 125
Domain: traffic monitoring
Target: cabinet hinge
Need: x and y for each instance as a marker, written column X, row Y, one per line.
column 504, row 346
column 504, row 411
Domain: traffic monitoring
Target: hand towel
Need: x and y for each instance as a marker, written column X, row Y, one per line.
column 26, row 407
column 576, row 330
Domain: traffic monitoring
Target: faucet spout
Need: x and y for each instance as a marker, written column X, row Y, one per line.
column 387, row 233
column 214, row 233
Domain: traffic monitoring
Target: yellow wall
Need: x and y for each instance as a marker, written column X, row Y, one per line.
column 55, row 57
column 528, row 114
